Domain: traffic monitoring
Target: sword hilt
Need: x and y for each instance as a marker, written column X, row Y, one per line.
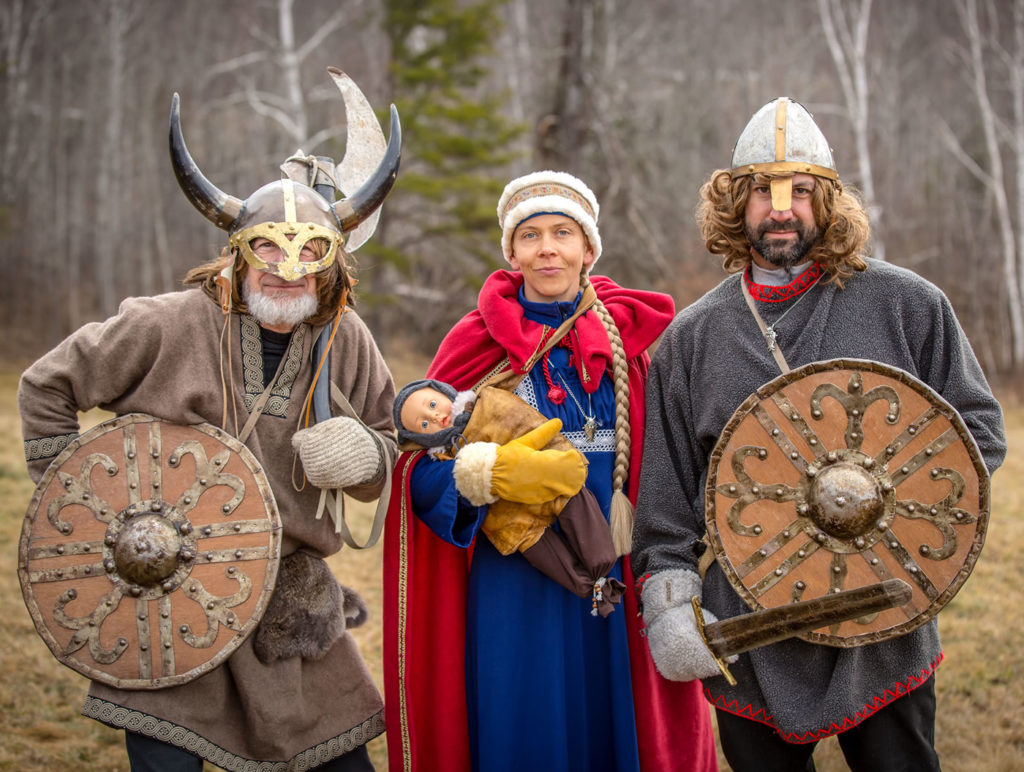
column 698, row 614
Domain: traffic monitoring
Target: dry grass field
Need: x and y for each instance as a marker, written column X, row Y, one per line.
column 980, row 684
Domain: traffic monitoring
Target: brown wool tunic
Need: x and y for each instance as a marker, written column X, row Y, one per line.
column 161, row 356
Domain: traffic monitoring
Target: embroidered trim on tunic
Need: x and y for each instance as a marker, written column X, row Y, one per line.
column 142, row 723
column 252, row 368
column 504, row 364
column 877, row 703
column 603, row 442
column 47, row 447
column 766, row 293
column 403, row 615
column 524, row 390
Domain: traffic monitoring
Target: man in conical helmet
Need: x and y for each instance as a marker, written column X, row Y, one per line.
column 268, row 350
column 801, row 290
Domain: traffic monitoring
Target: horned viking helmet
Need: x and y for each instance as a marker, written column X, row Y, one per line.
column 288, row 212
column 782, row 137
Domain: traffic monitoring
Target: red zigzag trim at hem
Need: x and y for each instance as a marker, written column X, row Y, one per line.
column 879, row 702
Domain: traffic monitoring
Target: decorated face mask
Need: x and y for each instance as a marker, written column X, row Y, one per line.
column 274, row 229
column 285, row 251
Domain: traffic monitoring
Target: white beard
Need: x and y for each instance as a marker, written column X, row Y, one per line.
column 276, row 312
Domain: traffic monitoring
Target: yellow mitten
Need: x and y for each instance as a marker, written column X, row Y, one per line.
column 518, row 470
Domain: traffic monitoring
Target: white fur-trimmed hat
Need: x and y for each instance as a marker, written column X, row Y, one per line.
column 548, row 192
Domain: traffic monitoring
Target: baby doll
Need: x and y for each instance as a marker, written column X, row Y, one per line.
column 578, row 552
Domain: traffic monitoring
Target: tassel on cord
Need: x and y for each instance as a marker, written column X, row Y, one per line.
column 597, row 596
column 622, row 522
column 224, row 280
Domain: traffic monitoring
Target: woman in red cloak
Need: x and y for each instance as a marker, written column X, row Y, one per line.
column 489, row 664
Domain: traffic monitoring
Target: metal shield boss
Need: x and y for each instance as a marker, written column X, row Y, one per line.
column 149, row 551
column 841, row 474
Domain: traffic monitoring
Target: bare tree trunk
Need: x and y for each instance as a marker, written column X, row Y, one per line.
column 562, row 133
column 993, row 177
column 69, row 206
column 850, row 54
column 517, row 54
column 291, row 71
column 109, row 233
column 1017, row 91
column 290, row 112
column 19, row 26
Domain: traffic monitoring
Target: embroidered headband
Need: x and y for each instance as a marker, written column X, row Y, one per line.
column 548, row 192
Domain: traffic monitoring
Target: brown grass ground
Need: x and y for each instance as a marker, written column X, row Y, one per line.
column 981, row 700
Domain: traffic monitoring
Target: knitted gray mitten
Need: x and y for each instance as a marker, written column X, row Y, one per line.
column 338, row 453
column 676, row 646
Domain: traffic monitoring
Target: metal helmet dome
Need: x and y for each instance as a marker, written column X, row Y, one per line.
column 782, row 137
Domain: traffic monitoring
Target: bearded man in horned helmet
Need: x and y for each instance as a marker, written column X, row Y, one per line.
column 264, row 349
column 801, row 290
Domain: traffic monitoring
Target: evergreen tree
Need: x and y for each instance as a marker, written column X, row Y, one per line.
column 439, row 227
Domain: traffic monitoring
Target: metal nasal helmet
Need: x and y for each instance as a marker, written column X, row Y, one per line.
column 782, row 138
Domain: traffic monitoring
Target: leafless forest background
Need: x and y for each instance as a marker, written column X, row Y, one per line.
column 922, row 100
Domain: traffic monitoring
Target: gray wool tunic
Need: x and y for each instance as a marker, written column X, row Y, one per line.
column 710, row 359
column 162, row 356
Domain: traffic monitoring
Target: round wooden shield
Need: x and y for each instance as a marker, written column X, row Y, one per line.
column 149, row 551
column 841, row 474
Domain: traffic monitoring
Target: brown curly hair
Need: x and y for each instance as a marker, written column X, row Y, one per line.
column 333, row 284
column 838, row 213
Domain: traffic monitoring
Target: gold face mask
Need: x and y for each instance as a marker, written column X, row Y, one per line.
column 290, row 265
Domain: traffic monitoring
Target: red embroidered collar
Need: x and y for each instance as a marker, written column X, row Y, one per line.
column 767, row 293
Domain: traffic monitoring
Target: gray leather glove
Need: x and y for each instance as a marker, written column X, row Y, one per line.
column 678, row 651
column 338, row 453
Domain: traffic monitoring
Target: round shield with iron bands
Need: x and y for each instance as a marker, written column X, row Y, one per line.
column 841, row 474
column 149, row 551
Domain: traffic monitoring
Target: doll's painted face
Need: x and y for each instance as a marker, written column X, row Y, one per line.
column 426, row 411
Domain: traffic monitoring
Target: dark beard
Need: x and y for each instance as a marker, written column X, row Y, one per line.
column 782, row 254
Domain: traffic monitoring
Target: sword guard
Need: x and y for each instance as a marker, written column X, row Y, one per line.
column 698, row 615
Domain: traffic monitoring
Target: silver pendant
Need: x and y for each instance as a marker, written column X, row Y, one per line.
column 770, row 336
column 590, row 428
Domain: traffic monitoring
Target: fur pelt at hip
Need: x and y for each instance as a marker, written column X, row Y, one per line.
column 308, row 611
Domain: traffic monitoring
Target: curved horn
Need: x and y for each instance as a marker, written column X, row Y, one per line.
column 216, row 205
column 355, row 208
column 365, row 144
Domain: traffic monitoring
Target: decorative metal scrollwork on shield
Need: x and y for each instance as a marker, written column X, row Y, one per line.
column 149, row 551
column 841, row 474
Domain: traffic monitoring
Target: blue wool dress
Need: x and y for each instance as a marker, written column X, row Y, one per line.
column 548, row 683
